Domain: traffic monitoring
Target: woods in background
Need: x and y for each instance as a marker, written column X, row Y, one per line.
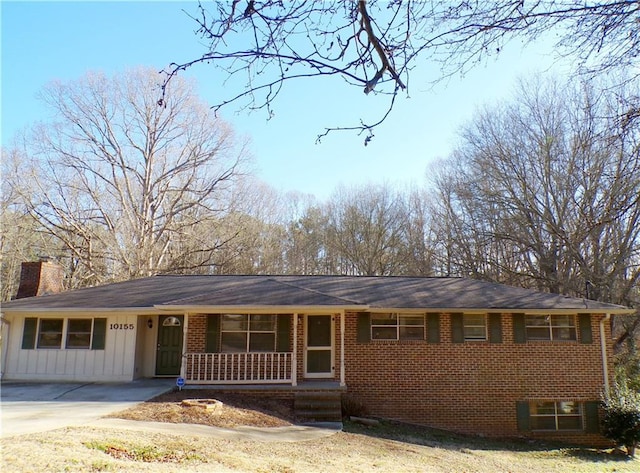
column 542, row 191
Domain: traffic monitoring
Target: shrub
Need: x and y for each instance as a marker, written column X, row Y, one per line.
column 621, row 421
column 352, row 407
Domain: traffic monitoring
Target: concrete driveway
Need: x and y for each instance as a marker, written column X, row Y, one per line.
column 38, row 407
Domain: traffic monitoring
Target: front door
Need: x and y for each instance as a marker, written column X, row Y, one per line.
column 169, row 355
column 319, row 346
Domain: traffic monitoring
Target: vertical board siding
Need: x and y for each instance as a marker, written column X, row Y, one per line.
column 114, row 363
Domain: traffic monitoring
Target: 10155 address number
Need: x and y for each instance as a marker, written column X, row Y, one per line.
column 121, row 326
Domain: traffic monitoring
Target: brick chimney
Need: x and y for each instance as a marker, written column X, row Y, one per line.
column 38, row 278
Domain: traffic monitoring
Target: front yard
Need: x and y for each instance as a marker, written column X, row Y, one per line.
column 388, row 447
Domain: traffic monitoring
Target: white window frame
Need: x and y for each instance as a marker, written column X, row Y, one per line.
column 64, row 334
column 67, row 332
column 249, row 331
column 551, row 326
column 470, row 338
column 398, row 325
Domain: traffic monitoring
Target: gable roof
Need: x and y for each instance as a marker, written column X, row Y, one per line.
column 340, row 292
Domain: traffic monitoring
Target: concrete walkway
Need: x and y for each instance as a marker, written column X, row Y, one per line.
column 28, row 408
column 294, row 433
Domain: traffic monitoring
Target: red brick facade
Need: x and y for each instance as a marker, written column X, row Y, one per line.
column 473, row 387
column 470, row 387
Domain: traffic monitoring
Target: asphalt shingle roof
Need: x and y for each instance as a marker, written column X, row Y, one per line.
column 327, row 291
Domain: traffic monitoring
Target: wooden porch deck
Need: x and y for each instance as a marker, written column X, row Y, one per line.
column 303, row 386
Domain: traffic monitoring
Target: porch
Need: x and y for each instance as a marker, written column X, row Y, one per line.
column 239, row 368
column 309, row 347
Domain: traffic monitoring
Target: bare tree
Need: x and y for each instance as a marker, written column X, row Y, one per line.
column 374, row 45
column 307, row 247
column 255, row 228
column 420, row 237
column 124, row 183
column 544, row 192
column 368, row 230
column 21, row 236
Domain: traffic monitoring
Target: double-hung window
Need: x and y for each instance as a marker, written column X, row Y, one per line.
column 386, row 326
column 556, row 415
column 50, row 333
column 79, row 333
column 66, row 333
column 474, row 327
column 550, row 327
column 248, row 333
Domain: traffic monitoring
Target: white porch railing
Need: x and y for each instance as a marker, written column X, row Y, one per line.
column 238, row 368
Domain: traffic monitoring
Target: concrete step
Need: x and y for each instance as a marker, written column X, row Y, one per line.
column 318, row 406
column 311, row 416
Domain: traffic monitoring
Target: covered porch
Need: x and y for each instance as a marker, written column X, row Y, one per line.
column 308, row 349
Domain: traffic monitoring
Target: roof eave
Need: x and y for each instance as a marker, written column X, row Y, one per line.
column 259, row 308
column 78, row 310
column 506, row 310
column 307, row 308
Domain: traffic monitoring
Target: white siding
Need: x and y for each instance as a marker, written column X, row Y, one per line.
column 114, row 363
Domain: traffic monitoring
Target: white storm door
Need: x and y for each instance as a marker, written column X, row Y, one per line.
column 318, row 354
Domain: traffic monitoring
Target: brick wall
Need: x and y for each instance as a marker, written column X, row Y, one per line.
column 38, row 278
column 469, row 387
column 473, row 387
column 196, row 333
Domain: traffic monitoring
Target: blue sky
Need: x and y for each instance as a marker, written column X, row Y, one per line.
column 44, row 41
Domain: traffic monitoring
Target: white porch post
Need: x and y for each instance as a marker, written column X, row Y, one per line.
column 183, row 364
column 294, row 354
column 342, row 376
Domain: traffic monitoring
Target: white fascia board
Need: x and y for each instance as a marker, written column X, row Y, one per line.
column 475, row 310
column 83, row 310
column 216, row 309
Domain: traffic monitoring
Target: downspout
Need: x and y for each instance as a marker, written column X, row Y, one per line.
column 4, row 344
column 185, row 329
column 603, row 346
column 342, row 374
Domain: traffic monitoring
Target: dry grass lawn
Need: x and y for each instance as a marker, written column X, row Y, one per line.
column 388, row 447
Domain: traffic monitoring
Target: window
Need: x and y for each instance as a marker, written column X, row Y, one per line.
column 50, row 333
column 79, row 333
column 248, row 333
column 556, row 415
column 474, row 326
column 550, row 327
column 64, row 333
column 397, row 327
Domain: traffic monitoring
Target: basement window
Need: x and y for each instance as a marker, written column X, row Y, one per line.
column 556, row 415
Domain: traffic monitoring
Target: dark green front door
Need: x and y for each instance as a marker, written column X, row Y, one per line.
column 169, row 356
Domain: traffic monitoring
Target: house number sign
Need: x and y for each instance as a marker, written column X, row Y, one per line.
column 122, row 326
